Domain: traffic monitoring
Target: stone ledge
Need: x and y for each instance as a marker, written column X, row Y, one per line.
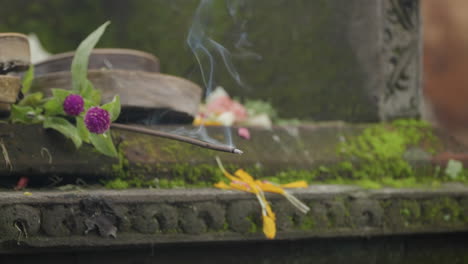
column 91, row 218
column 41, row 153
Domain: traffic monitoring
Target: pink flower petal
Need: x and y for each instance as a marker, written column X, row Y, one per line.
column 243, row 133
column 22, row 183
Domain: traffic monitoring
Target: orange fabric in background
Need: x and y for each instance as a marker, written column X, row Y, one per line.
column 445, row 25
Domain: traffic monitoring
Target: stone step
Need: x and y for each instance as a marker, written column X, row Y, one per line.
column 433, row 249
column 112, row 219
column 318, row 148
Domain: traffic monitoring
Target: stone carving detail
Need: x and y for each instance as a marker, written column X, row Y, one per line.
column 242, row 216
column 288, row 217
column 200, row 217
column 125, row 215
column 61, row 220
column 443, row 212
column 19, row 221
column 464, row 209
column 402, row 214
column 402, row 59
column 150, row 219
column 340, row 215
column 337, row 214
column 366, row 213
column 99, row 215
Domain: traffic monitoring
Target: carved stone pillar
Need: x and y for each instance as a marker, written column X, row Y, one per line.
column 401, row 96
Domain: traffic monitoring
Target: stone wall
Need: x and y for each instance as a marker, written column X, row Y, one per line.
column 321, row 60
column 140, row 217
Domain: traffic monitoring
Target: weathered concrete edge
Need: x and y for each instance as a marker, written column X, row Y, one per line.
column 145, row 217
column 138, row 240
column 146, row 195
column 159, row 195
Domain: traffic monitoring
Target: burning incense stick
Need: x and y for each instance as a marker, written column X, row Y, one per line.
column 189, row 140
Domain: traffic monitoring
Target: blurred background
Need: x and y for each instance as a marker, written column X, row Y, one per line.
column 276, row 46
column 446, row 63
column 265, row 48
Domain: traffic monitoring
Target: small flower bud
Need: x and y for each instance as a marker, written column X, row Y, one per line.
column 73, row 105
column 97, row 120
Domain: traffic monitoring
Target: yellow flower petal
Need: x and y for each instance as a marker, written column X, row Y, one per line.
column 242, row 186
column 226, row 174
column 198, row 121
column 269, row 227
column 212, row 123
column 269, row 187
column 243, row 181
column 297, row 184
column 242, row 174
column 222, row 185
column 230, row 176
column 270, row 212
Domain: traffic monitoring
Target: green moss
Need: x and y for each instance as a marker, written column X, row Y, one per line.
column 225, row 226
column 447, row 210
column 307, row 223
column 410, row 211
column 294, row 175
column 253, row 225
column 172, row 231
column 117, row 184
column 200, row 174
column 331, row 221
column 379, row 150
column 121, row 171
column 413, row 207
column 372, row 159
column 176, row 172
column 405, row 212
column 368, row 184
column 376, row 158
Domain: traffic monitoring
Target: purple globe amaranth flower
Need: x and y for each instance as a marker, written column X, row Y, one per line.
column 73, row 105
column 97, row 120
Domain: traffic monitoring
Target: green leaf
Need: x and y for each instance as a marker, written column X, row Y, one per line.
column 25, row 114
column 19, row 114
column 27, row 80
column 79, row 67
column 34, row 99
column 60, row 94
column 54, row 106
column 103, row 143
column 82, row 130
column 66, row 128
column 91, row 94
column 88, row 104
column 113, row 108
column 96, row 97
